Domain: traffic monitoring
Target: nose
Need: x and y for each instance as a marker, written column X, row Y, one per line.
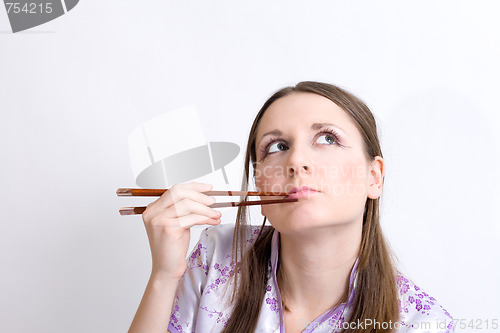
column 298, row 163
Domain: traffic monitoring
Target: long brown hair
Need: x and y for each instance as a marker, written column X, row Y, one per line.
column 375, row 291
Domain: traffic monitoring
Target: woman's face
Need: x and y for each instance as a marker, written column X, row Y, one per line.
column 306, row 140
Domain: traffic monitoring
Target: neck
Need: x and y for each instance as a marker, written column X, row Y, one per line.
column 314, row 270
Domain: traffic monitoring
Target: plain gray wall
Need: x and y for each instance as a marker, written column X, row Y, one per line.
column 73, row 89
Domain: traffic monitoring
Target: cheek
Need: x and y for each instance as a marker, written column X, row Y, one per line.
column 355, row 173
column 345, row 179
column 270, row 178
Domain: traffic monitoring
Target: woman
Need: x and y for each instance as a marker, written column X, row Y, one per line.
column 323, row 264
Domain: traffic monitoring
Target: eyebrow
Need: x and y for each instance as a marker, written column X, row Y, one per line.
column 315, row 126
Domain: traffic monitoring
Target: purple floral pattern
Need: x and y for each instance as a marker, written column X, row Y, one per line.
column 175, row 319
column 222, row 275
column 412, row 299
column 197, row 258
column 255, row 233
column 211, row 313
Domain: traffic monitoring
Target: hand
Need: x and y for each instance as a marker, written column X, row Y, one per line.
column 168, row 220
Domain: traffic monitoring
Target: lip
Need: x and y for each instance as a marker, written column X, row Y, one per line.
column 300, row 192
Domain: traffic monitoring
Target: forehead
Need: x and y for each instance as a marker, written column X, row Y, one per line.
column 300, row 110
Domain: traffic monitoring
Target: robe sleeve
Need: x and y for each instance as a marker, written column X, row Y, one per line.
column 190, row 288
column 420, row 312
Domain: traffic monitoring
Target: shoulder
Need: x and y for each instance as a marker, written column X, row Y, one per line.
column 217, row 241
column 223, row 233
column 419, row 310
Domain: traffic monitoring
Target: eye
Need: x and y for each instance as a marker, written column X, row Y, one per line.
column 277, row 146
column 328, row 139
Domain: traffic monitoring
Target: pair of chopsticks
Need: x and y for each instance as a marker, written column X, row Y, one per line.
column 143, row 192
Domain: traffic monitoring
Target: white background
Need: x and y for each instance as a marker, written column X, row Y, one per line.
column 73, row 89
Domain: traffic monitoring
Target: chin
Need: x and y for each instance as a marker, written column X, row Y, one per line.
column 298, row 219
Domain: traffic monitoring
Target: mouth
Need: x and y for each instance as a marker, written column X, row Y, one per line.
column 300, row 192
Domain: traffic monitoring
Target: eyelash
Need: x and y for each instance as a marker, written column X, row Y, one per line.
column 264, row 149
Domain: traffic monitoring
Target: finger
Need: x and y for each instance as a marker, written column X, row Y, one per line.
column 188, row 221
column 200, row 187
column 180, row 191
column 187, row 206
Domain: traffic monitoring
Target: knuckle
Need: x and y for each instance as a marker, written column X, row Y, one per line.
column 173, row 189
column 146, row 215
column 176, row 191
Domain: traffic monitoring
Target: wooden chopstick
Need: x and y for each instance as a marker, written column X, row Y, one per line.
column 145, row 192
column 140, row 210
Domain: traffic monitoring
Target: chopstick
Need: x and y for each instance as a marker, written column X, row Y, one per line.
column 146, row 192
column 140, row 210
